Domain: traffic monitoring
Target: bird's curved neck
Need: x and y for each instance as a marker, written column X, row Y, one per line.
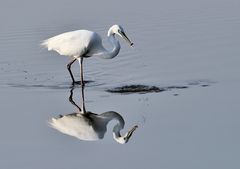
column 109, row 54
column 111, row 115
column 118, row 127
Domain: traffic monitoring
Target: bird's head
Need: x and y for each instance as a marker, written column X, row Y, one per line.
column 125, row 138
column 118, row 30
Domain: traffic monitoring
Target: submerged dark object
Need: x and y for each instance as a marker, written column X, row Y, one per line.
column 135, row 89
column 142, row 89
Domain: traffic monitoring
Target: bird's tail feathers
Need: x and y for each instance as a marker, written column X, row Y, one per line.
column 52, row 122
column 45, row 44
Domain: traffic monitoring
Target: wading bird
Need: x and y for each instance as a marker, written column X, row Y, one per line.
column 89, row 126
column 83, row 43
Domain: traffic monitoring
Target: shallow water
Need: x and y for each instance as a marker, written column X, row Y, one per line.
column 177, row 43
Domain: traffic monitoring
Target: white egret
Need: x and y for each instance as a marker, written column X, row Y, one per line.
column 89, row 126
column 83, row 43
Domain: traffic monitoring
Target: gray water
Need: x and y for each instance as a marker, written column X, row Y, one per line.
column 191, row 43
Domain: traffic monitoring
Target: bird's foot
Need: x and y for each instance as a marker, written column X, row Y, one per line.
column 82, row 84
column 78, row 83
column 73, row 83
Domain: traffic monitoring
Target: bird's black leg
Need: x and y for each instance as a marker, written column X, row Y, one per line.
column 69, row 69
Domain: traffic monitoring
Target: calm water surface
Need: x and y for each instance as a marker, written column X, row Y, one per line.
column 189, row 43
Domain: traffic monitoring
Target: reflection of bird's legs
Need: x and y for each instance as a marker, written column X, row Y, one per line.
column 82, row 83
column 83, row 100
column 69, row 69
column 71, row 99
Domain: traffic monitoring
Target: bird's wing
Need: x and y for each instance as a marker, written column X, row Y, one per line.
column 70, row 43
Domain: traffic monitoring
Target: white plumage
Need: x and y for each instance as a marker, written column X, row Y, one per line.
column 83, row 43
column 75, row 43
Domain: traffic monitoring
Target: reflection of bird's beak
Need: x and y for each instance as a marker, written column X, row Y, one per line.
column 126, row 38
column 129, row 134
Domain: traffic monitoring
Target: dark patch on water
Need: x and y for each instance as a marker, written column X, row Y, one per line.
column 175, row 87
column 28, row 86
column 205, row 85
column 49, row 86
column 125, row 89
column 142, row 89
column 135, row 89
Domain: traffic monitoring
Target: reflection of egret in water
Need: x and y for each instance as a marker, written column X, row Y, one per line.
column 89, row 126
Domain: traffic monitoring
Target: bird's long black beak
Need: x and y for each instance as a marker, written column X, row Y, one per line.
column 126, row 38
column 129, row 134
